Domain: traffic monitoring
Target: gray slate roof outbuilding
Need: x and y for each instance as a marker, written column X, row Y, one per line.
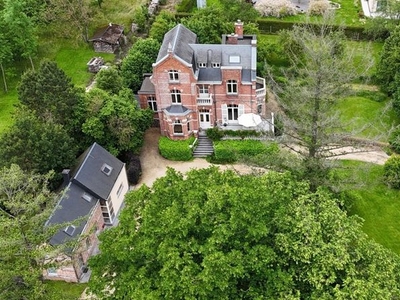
column 87, row 178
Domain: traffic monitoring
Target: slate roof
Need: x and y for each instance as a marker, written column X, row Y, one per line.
column 87, row 178
column 109, row 34
column 177, row 41
column 147, row 86
column 177, row 110
column 71, row 207
column 89, row 175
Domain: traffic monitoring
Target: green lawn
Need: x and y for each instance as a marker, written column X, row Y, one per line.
column 378, row 205
column 68, row 291
column 358, row 112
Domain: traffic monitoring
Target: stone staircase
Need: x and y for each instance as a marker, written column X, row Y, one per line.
column 204, row 147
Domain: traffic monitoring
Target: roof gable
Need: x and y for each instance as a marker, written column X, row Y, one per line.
column 176, row 41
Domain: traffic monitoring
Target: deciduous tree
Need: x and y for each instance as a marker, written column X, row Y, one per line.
column 115, row 121
column 109, row 80
column 25, row 205
column 139, row 61
column 219, row 235
column 322, row 69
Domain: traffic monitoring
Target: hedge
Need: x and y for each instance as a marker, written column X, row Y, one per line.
column 216, row 134
column 176, row 150
column 274, row 26
column 230, row 151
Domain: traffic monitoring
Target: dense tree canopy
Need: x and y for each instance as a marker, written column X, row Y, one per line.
column 25, row 205
column 115, row 121
column 219, row 235
column 50, row 93
column 139, row 61
column 36, row 145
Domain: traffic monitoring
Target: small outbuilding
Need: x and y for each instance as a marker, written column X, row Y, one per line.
column 109, row 38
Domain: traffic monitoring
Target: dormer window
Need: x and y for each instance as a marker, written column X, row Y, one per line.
column 86, row 197
column 106, row 169
column 216, row 65
column 70, row 230
column 202, row 65
column 173, row 75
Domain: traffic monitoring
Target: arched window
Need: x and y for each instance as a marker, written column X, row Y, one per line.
column 231, row 87
column 176, row 96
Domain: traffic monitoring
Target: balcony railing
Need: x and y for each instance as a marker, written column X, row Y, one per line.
column 204, row 99
column 260, row 88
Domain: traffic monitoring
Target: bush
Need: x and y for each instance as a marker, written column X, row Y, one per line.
column 134, row 170
column 176, row 150
column 214, row 134
column 394, row 140
column 186, row 6
column 318, row 7
column 230, row 151
column 391, row 172
column 275, row 8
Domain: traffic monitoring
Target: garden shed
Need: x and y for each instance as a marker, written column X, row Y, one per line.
column 109, row 38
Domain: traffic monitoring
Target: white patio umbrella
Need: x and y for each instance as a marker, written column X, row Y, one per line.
column 249, row 120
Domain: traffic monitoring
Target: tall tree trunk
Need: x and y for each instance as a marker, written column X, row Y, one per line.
column 4, row 78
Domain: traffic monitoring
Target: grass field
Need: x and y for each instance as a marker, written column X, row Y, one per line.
column 69, row 291
column 377, row 117
column 378, row 205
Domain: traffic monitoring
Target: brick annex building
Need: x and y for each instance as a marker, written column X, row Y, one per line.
column 197, row 86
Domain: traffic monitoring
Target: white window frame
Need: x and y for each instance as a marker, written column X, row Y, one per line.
column 173, row 75
column 106, row 167
column 202, row 65
column 176, row 96
column 216, row 65
column 203, row 89
column 52, row 272
column 178, row 123
column 152, row 103
column 231, row 87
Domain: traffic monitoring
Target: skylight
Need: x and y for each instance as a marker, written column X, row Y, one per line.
column 106, row 169
column 70, row 230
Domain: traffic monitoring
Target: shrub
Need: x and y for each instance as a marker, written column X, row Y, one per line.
column 229, row 151
column 394, row 140
column 134, row 170
column 318, row 7
column 176, row 150
column 214, row 134
column 275, row 8
column 391, row 172
column 186, row 6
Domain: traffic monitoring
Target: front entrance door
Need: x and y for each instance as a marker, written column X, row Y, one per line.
column 204, row 116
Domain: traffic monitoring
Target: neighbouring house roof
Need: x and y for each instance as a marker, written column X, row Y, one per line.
column 108, row 34
column 147, row 86
column 93, row 179
column 177, row 41
column 177, row 110
column 89, row 173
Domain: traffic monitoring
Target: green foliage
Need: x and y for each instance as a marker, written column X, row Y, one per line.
column 139, row 61
column 209, row 24
column 186, row 6
column 109, row 80
column 229, row 151
column 115, row 121
column 25, row 205
column 217, row 134
column 389, row 63
column 65, row 290
column 140, row 17
column 161, row 25
column 176, row 150
column 50, row 94
column 36, row 145
column 219, row 235
column 392, row 172
column 394, row 140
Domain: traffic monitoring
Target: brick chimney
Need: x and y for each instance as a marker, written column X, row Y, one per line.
column 239, row 29
column 232, row 39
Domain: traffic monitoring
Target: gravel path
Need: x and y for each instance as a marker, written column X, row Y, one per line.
column 154, row 166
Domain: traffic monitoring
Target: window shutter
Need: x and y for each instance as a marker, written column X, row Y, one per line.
column 224, row 110
column 241, row 109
